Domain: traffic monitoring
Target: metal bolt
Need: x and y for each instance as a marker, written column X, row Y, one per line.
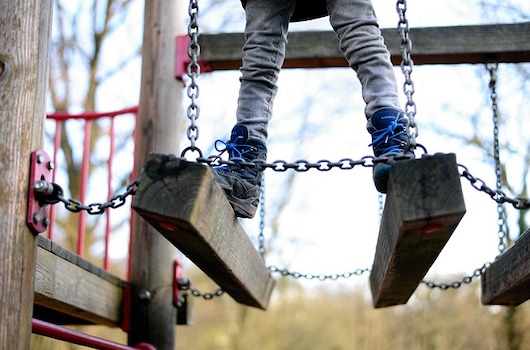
column 51, row 166
column 37, row 218
column 43, row 187
column 46, row 222
column 40, row 159
column 144, row 295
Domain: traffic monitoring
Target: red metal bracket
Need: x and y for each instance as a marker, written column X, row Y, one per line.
column 38, row 214
column 178, row 278
column 126, row 308
column 182, row 60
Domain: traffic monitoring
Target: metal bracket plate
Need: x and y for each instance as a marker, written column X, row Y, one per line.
column 38, row 215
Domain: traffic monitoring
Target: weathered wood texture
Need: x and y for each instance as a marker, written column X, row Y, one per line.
column 183, row 201
column 24, row 60
column 433, row 45
column 159, row 128
column 507, row 280
column 72, row 286
column 424, row 205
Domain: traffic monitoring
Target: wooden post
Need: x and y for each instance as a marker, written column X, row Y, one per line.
column 507, row 280
column 153, row 316
column 24, row 60
column 423, row 207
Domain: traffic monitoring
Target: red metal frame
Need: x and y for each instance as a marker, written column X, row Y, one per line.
column 51, row 330
column 60, row 119
column 38, row 217
column 61, row 333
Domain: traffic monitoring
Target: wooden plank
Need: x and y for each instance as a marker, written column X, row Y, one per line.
column 507, row 280
column 25, row 41
column 423, row 207
column 432, row 45
column 184, row 203
column 68, row 284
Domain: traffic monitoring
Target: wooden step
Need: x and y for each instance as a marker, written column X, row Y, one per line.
column 507, row 280
column 423, row 207
column 184, row 203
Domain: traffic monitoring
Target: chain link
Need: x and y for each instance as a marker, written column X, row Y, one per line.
column 76, row 206
column 457, row 284
column 320, row 277
column 501, row 233
column 302, row 165
column 261, row 235
column 193, row 71
column 407, row 65
column 185, row 285
column 518, row 202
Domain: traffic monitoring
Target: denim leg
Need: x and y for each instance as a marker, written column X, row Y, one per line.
column 360, row 40
column 263, row 55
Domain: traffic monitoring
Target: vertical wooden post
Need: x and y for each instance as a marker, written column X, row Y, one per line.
column 24, row 60
column 153, row 316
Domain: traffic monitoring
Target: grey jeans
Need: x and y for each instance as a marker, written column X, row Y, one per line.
column 266, row 31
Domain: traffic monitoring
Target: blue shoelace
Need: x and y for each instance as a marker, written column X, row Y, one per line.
column 387, row 134
column 234, row 149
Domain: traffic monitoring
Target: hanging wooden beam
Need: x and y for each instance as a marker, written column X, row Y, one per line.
column 505, row 43
column 424, row 205
column 185, row 204
column 507, row 280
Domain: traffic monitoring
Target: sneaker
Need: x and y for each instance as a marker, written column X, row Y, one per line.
column 241, row 184
column 389, row 130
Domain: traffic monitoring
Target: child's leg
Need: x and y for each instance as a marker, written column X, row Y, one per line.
column 360, row 40
column 263, row 56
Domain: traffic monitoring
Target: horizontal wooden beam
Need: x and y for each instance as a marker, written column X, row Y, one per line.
column 507, row 280
column 423, row 206
column 184, row 203
column 68, row 285
column 505, row 43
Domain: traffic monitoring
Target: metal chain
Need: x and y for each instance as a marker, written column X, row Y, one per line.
column 302, row 165
column 518, row 202
column 457, row 284
column 501, row 221
column 320, row 277
column 76, row 206
column 407, row 65
column 185, row 285
column 261, row 236
column 193, row 71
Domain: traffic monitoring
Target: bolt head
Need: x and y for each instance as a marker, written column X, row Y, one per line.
column 37, row 218
column 40, row 158
column 51, row 166
column 144, row 295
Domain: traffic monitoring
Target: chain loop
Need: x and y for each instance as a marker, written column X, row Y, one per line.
column 457, row 284
column 520, row 203
column 320, row 277
column 302, row 165
column 76, row 206
column 197, row 293
column 407, row 65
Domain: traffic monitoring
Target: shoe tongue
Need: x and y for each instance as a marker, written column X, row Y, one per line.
column 239, row 134
column 382, row 118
